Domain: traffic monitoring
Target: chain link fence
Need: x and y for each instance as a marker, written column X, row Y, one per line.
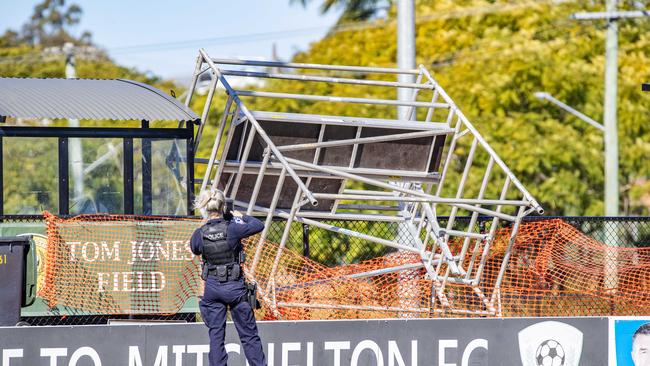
column 332, row 248
column 105, row 319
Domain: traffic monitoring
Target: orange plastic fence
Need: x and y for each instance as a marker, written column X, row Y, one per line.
column 120, row 264
column 125, row 265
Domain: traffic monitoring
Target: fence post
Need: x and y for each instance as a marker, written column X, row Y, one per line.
column 305, row 240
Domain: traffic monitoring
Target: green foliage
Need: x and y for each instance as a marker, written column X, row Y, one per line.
column 30, row 165
column 491, row 56
column 353, row 10
column 333, row 249
column 50, row 25
column 30, row 175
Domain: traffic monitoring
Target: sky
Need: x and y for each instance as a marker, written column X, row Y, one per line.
column 163, row 37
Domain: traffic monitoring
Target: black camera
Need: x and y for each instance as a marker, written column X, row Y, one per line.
column 227, row 209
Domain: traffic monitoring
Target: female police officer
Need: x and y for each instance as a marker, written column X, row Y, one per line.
column 219, row 244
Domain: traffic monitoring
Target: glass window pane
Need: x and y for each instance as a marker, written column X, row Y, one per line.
column 168, row 177
column 96, row 175
column 30, row 173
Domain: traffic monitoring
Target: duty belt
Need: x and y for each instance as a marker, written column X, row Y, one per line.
column 225, row 272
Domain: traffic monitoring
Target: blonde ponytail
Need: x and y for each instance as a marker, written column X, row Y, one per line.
column 210, row 202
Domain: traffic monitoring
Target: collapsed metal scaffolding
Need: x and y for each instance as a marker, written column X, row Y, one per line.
column 339, row 167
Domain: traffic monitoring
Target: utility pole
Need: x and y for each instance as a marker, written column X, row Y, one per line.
column 405, row 49
column 76, row 152
column 405, row 60
column 611, row 109
column 611, row 90
column 611, row 131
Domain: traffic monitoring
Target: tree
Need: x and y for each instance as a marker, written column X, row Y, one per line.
column 353, row 10
column 491, row 58
column 31, row 180
column 51, row 24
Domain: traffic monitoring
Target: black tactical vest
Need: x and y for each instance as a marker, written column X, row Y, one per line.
column 216, row 250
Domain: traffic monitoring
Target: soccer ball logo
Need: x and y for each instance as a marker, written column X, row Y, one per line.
column 550, row 353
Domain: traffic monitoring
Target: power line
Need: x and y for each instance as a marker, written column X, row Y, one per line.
column 454, row 57
column 253, row 37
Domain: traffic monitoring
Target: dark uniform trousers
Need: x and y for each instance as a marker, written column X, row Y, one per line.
column 217, row 296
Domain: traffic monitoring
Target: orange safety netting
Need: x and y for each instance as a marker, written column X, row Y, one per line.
column 112, row 264
column 125, row 264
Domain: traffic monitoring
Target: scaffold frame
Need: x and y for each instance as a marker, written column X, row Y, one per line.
column 419, row 194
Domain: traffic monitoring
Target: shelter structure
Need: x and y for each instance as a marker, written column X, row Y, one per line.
column 325, row 156
column 97, row 167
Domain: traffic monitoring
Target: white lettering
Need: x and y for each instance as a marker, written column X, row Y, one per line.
column 162, row 251
column 109, row 254
column 53, row 353
column 152, row 252
column 85, row 351
column 199, row 350
column 134, row 356
column 178, row 250
column 178, row 351
column 337, row 347
column 154, row 282
column 442, row 347
column 161, row 356
column 126, row 280
column 84, row 251
column 367, row 344
column 134, row 249
column 73, row 250
column 234, row 348
column 271, row 355
column 188, row 251
column 476, row 343
column 394, row 354
column 310, row 353
column 175, row 250
column 101, row 282
column 286, row 348
column 414, row 352
column 115, row 281
column 10, row 353
column 131, row 281
column 139, row 282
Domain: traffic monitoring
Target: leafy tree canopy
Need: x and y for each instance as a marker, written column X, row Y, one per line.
column 491, row 57
column 353, row 10
column 31, row 183
column 50, row 24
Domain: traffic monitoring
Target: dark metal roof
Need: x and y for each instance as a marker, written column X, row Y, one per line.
column 96, row 99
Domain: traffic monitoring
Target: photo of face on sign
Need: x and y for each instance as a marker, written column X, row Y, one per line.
column 641, row 346
column 632, row 342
